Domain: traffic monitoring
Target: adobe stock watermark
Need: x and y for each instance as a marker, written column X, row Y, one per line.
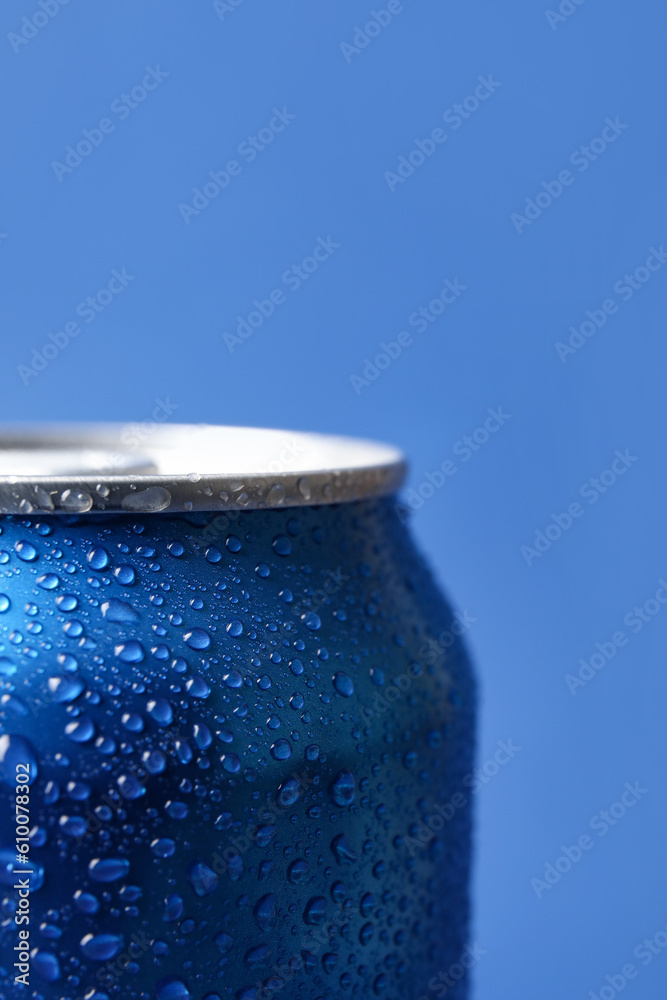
column 465, row 448
column 122, row 107
column 601, row 823
column 626, row 288
column 293, row 278
column 635, row 620
column 421, row 834
column 454, row 116
column 32, row 25
column 644, row 952
column 249, row 149
column 116, row 967
column 320, row 929
column 334, row 581
column 135, row 435
column 363, row 36
column 88, row 310
column 228, row 859
column 440, row 985
column 565, row 10
column 304, row 958
column 289, row 452
column 223, row 7
column 591, row 490
column 221, row 524
column 430, row 651
column 419, row 320
column 429, row 654
column 581, row 158
column 131, row 785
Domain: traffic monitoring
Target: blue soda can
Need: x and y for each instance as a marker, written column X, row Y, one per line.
column 236, row 721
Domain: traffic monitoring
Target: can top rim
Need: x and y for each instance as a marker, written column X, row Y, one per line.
column 149, row 468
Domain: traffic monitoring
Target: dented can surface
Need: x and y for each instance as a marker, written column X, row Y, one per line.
column 242, row 735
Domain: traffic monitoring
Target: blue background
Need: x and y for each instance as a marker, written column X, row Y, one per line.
column 324, row 175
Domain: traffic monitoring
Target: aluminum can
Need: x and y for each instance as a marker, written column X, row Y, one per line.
column 236, row 723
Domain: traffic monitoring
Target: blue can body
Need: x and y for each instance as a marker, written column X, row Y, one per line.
column 247, row 737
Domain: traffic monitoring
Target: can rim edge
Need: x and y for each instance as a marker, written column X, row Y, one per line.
column 368, row 469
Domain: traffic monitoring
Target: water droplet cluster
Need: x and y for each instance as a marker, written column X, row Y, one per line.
column 234, row 736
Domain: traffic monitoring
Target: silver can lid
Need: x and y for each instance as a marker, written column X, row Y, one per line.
column 149, row 468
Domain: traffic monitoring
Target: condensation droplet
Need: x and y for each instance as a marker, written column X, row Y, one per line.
column 98, row 558
column 173, row 909
column 130, row 652
column 223, row 942
column 126, row 575
column 46, row 965
column 151, row 500
column 7, row 667
column 297, row 871
column 230, row 763
column 108, row 869
column 342, row 851
column 130, row 787
column 276, row 494
column 343, row 789
column 172, row 988
column 315, row 910
column 281, row 545
column 81, row 730
column 86, row 902
column 119, row 612
column 101, row 947
column 15, row 751
column 197, row 638
column 160, row 711
column 197, row 687
column 26, row 551
column 281, row 750
column 203, row 879
column 265, row 912
column 288, row 792
column 343, row 684
column 76, row 500
column 163, row 847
